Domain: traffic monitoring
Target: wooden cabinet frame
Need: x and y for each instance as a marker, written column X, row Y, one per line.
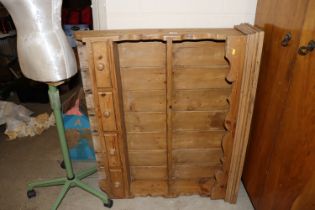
column 97, row 52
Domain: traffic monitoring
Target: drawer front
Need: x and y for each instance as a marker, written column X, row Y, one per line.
column 117, row 183
column 101, row 64
column 112, row 151
column 99, row 146
column 107, row 111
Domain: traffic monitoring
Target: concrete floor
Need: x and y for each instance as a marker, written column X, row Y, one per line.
column 38, row 157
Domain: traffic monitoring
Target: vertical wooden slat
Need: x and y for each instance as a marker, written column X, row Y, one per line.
column 169, row 103
column 246, row 106
column 235, row 53
column 118, row 104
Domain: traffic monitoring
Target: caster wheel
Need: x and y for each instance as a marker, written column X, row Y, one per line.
column 31, row 193
column 62, row 165
column 109, row 204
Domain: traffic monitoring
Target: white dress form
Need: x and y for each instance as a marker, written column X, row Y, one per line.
column 43, row 50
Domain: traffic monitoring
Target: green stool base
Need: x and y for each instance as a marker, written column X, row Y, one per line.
column 67, row 184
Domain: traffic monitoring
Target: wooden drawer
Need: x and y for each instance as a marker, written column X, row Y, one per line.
column 107, row 111
column 101, row 64
column 98, row 143
column 102, row 172
column 112, row 151
column 117, row 182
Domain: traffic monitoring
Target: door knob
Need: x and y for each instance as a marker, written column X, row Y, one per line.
column 286, row 39
column 304, row 50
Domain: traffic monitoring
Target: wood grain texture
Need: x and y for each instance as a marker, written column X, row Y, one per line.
column 191, row 187
column 152, row 78
column 145, row 101
column 235, row 54
column 145, row 121
column 152, row 54
column 149, row 188
column 107, row 111
column 169, row 109
column 255, row 39
column 103, row 172
column 112, row 148
column 305, row 199
column 201, row 121
column 272, row 106
column 198, row 78
column 147, row 157
column 101, row 64
column 197, row 139
column 117, row 183
column 146, row 141
column 99, row 144
column 149, row 172
column 157, row 34
column 289, row 183
column 194, row 171
column 210, row 156
column 201, row 100
column 205, row 53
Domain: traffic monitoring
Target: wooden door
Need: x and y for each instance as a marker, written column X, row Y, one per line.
column 280, row 168
column 276, row 18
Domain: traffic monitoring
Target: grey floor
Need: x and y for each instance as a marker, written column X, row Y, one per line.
column 38, row 157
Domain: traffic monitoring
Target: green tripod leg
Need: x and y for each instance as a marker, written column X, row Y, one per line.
column 71, row 180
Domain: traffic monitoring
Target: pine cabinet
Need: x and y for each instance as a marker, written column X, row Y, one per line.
column 170, row 109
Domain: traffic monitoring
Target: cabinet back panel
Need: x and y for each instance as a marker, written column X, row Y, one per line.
column 201, row 121
column 142, row 54
column 145, row 101
column 197, row 139
column 145, row 141
column 143, row 78
column 147, row 157
column 201, row 100
column 201, row 53
column 190, row 156
column 200, row 78
column 194, row 171
column 149, row 172
column 199, row 107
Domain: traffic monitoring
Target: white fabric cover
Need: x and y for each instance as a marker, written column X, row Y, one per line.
column 43, row 50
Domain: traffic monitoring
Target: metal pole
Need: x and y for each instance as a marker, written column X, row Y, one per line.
column 56, row 106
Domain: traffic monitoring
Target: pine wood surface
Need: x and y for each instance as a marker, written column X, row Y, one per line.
column 168, row 116
column 157, row 34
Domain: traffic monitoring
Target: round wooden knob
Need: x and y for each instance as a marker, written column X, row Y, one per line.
column 116, row 184
column 100, row 66
column 106, row 114
column 112, row 151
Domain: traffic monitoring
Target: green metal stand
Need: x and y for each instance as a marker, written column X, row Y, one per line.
column 71, row 180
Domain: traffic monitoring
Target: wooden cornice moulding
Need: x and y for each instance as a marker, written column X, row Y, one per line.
column 170, row 109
